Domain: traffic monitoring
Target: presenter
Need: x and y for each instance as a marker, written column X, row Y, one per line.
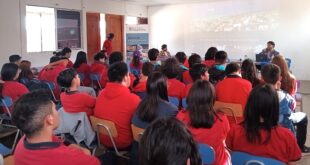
column 269, row 52
column 107, row 45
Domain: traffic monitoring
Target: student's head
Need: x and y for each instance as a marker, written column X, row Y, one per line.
column 10, row 72
column 200, row 101
column 156, row 90
column 181, row 57
column 110, row 36
column 171, row 68
column 147, row 69
column 136, row 58
column 66, row 52
column 233, row 68
column 68, row 78
column 25, row 65
column 271, row 74
column 35, row 113
column 210, row 54
column 81, row 58
column 248, row 70
column 221, row 57
column 199, row 71
column 15, row 58
column 168, row 142
column 261, row 113
column 100, row 56
column 118, row 73
column 152, row 54
column 26, row 73
column 164, row 47
column 116, row 57
column 270, row 45
column 54, row 59
column 194, row 59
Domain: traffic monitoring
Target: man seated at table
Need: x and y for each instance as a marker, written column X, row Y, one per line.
column 268, row 53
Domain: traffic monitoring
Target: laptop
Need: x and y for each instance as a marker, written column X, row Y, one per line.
column 261, row 58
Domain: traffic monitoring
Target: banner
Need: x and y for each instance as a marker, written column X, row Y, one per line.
column 137, row 39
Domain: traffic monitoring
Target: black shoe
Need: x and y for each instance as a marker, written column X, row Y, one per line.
column 305, row 149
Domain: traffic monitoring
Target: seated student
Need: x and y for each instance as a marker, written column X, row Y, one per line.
column 206, row 126
column 115, row 103
column 271, row 74
column 81, row 66
column 288, row 82
column 72, row 100
column 15, row 58
column 171, row 69
column 249, row 72
column 168, row 142
column 100, row 67
column 51, row 71
column 139, row 85
column 210, row 57
column 152, row 55
column 233, row 89
column 197, row 72
column 135, row 63
column 217, row 72
column 260, row 133
column 156, row 104
column 11, row 87
column 181, row 57
column 193, row 59
column 35, row 115
column 66, row 53
column 164, row 54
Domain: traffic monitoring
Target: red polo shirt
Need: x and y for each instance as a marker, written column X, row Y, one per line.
column 282, row 144
column 115, row 103
column 187, row 79
column 14, row 89
column 50, row 153
column 78, row 102
column 85, row 69
column 186, row 90
column 214, row 136
column 175, row 88
column 107, row 45
column 140, row 87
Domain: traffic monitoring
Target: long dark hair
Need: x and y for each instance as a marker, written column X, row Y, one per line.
column 136, row 59
column 248, row 71
column 210, row 54
column 80, row 59
column 261, row 112
column 200, row 100
column 1, row 89
column 156, row 90
column 147, row 69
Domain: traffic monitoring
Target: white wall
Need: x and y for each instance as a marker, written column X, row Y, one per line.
column 237, row 26
column 13, row 27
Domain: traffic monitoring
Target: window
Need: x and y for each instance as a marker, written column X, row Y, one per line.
column 40, row 28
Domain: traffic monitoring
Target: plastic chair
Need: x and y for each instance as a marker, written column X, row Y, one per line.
column 51, row 87
column 288, row 61
column 248, row 159
column 233, row 111
column 96, row 78
column 135, row 72
column 174, row 101
column 107, row 128
column 207, row 153
column 24, row 81
column 6, row 103
column 82, row 78
column 184, row 103
column 6, row 131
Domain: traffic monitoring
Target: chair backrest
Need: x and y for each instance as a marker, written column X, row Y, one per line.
column 136, row 132
column 105, row 127
column 207, row 153
column 184, row 103
column 95, row 77
column 82, row 76
column 248, row 159
column 174, row 101
column 135, row 72
column 230, row 109
column 288, row 61
column 7, row 102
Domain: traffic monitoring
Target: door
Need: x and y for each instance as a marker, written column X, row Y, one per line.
column 115, row 24
column 93, row 35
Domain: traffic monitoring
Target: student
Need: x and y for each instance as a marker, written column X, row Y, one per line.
column 164, row 53
column 135, row 63
column 217, row 72
column 233, row 89
column 66, row 53
column 81, row 66
column 115, row 103
column 11, row 87
column 152, row 55
column 193, row 59
column 15, row 58
column 206, row 126
column 210, row 57
column 107, row 45
column 288, row 82
column 35, row 115
column 51, row 71
column 72, row 100
column 139, row 84
column 249, row 72
column 168, row 142
column 197, row 72
column 171, row 69
column 100, row 67
column 181, row 57
column 260, row 133
column 271, row 74
column 156, row 104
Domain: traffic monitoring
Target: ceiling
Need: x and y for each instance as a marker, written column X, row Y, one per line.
column 165, row 2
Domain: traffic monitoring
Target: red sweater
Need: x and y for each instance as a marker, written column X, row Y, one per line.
column 85, row 69
column 14, row 90
column 107, row 45
column 140, row 87
column 187, row 79
column 186, row 90
column 175, row 88
column 102, row 70
column 115, row 103
column 70, row 64
column 51, row 74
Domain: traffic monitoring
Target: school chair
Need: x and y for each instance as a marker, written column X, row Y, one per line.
column 7, row 131
column 288, row 61
column 233, row 111
column 174, row 100
column 298, row 96
column 136, row 132
column 207, row 153
column 135, row 72
column 6, row 103
column 82, row 78
column 107, row 128
column 184, row 103
column 24, row 81
column 9, row 160
column 96, row 78
column 248, row 159
column 51, row 87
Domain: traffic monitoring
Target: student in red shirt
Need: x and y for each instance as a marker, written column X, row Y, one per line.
column 66, row 53
column 193, row 59
column 210, row 57
column 260, row 133
column 72, row 100
column 81, row 66
column 100, row 67
column 171, row 69
column 35, row 115
column 51, row 71
column 115, row 103
column 217, row 72
column 139, row 85
column 107, row 45
column 11, row 87
column 206, row 126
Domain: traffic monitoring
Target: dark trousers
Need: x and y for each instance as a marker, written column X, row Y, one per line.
column 301, row 132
